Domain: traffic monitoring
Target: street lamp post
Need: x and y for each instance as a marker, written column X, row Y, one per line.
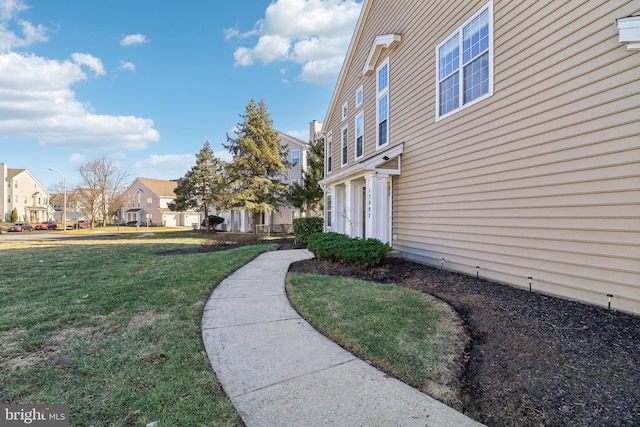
column 64, row 205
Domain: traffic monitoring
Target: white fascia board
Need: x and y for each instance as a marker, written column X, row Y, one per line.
column 367, row 165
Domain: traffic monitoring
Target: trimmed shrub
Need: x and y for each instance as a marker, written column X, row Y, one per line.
column 214, row 221
column 364, row 253
column 303, row 228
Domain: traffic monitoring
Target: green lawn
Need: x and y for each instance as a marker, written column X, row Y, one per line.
column 411, row 336
column 113, row 329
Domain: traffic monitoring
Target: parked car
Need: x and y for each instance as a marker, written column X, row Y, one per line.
column 47, row 225
column 82, row 224
column 21, row 226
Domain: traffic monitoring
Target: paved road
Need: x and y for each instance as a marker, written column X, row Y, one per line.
column 42, row 235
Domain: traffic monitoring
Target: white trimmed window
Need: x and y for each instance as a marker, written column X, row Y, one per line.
column 359, row 148
column 328, row 149
column 465, row 64
column 345, row 110
column 382, row 104
column 345, row 146
column 327, row 209
column 295, row 158
column 359, row 97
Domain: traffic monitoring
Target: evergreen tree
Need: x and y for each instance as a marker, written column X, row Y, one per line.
column 259, row 163
column 203, row 186
column 308, row 196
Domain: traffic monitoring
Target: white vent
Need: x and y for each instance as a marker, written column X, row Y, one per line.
column 629, row 29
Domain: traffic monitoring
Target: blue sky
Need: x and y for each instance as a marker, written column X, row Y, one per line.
column 147, row 82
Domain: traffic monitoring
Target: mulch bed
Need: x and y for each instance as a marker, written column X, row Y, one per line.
column 534, row 360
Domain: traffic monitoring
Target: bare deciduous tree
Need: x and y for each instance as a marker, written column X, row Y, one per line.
column 102, row 180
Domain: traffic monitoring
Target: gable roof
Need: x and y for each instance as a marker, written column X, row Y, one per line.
column 286, row 138
column 11, row 173
column 160, row 187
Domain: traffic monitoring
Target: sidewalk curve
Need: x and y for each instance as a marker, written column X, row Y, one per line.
column 279, row 371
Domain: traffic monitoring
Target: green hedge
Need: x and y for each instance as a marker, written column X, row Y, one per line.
column 336, row 247
column 303, row 228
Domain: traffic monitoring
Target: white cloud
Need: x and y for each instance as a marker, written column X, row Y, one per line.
column 21, row 35
column 271, row 47
column 127, row 66
column 166, row 166
column 133, row 40
column 230, row 33
column 36, row 101
column 10, row 8
column 90, row 61
column 283, row 76
column 321, row 71
column 77, row 158
column 169, row 166
column 300, row 134
column 314, row 33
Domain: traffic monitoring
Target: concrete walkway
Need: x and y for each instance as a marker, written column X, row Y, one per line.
column 279, row 371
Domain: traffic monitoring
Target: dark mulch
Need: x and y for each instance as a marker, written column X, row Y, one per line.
column 535, row 360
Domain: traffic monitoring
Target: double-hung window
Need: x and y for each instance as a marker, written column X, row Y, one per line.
column 359, row 135
column 295, row 158
column 382, row 104
column 345, row 145
column 465, row 64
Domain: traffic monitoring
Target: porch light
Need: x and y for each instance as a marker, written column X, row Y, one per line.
column 629, row 31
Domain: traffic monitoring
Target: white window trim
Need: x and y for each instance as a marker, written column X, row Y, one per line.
column 355, row 139
column 458, row 30
column 359, row 96
column 328, row 149
column 296, row 151
column 345, row 110
column 344, row 157
column 329, row 210
column 379, row 95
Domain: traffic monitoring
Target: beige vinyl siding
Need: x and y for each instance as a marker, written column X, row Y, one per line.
column 542, row 179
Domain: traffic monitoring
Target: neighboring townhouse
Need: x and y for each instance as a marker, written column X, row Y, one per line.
column 495, row 138
column 77, row 206
column 146, row 201
column 238, row 219
column 22, row 192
